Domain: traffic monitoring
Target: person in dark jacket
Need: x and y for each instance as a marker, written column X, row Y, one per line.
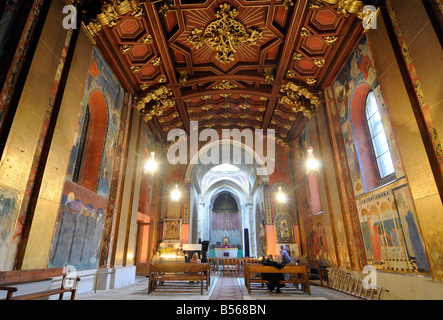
column 273, row 278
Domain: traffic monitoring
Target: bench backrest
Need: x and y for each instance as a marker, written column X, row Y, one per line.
column 21, row 276
column 270, row 269
column 179, row 267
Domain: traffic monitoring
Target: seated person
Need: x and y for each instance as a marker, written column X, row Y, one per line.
column 273, row 278
column 195, row 258
column 286, row 259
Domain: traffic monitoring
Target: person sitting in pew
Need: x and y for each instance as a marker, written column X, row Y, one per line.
column 273, row 278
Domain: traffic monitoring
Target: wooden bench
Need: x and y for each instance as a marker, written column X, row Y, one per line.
column 179, row 272
column 298, row 275
column 318, row 271
column 9, row 279
column 231, row 266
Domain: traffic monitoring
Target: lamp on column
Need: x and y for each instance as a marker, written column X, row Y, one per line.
column 176, row 194
column 281, row 197
column 312, row 164
column 151, row 164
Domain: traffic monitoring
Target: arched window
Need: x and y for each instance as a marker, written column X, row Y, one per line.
column 371, row 142
column 89, row 157
column 378, row 138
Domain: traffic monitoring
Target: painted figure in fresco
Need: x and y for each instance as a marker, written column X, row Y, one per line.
column 284, row 229
column 414, row 235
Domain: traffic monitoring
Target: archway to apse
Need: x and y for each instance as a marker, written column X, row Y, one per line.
column 223, row 200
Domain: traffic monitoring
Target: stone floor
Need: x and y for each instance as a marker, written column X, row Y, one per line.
column 222, row 288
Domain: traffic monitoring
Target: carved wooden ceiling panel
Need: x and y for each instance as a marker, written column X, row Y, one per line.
column 227, row 63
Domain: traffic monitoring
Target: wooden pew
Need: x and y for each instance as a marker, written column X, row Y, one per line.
column 10, row 278
column 179, row 272
column 298, row 275
column 231, row 265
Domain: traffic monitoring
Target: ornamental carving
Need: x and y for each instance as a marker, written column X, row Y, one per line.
column 111, row 12
column 225, row 35
column 161, row 99
column 293, row 95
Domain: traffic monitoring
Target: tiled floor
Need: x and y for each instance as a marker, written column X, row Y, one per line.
column 225, row 288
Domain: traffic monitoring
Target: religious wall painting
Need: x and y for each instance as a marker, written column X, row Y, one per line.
column 390, row 233
column 78, row 230
column 352, row 156
column 414, row 244
column 8, row 215
column 284, row 228
column 319, row 239
column 107, row 163
column 172, row 230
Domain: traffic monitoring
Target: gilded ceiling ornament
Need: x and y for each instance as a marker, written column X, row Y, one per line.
column 269, row 75
column 225, row 35
column 311, row 81
column 226, row 124
column 157, row 61
column 165, row 7
column 226, row 115
column 209, row 125
column 161, row 100
column 288, row 3
column 207, row 107
column 225, row 95
column 259, row 119
column 290, row 74
column 315, row 4
column 263, row 99
column 225, row 85
column 136, row 69
column 291, row 118
column 144, row 86
column 293, row 94
column 287, row 127
column 245, row 96
column 110, row 15
column 148, row 39
column 244, row 106
column 242, row 124
column 277, row 112
column 226, row 106
column 320, row 62
column 124, row 48
column 262, row 109
column 163, row 79
column 184, row 75
column 297, row 56
column 208, row 117
column 273, row 122
column 305, row 32
column 331, row 40
column 175, row 115
column 283, row 135
column 346, row 7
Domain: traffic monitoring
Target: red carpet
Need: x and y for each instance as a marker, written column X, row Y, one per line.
column 227, row 289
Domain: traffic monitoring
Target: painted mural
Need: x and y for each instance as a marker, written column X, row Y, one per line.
column 8, row 214
column 78, row 229
column 82, row 214
column 391, row 232
column 101, row 78
column 226, row 224
column 359, row 69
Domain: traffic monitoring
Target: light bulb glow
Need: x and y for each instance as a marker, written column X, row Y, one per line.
column 281, row 197
column 151, row 164
column 312, row 165
column 175, row 194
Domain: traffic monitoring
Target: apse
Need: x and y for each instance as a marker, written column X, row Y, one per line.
column 225, row 222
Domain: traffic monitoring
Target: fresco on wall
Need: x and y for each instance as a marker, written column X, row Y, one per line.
column 78, row 234
column 391, row 233
column 78, row 230
column 319, row 240
column 359, row 69
column 8, row 215
column 101, row 78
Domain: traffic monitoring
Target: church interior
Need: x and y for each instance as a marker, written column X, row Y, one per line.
column 135, row 133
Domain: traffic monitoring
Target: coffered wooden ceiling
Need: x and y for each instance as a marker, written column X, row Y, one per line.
column 226, row 63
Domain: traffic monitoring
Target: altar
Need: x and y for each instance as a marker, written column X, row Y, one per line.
column 220, row 252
